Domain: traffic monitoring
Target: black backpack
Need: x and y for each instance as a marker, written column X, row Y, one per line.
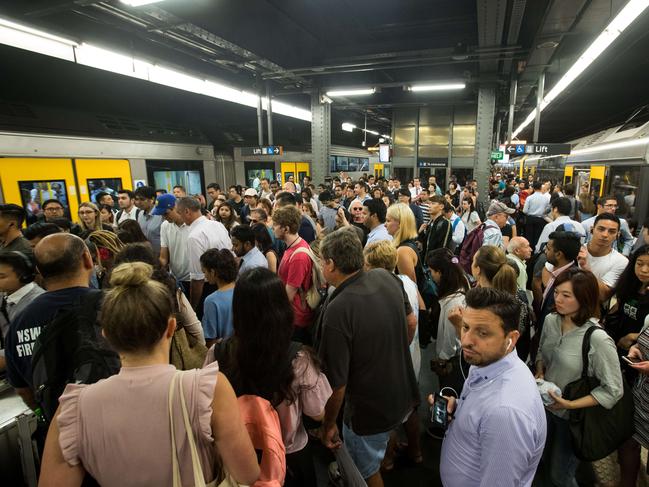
column 71, row 349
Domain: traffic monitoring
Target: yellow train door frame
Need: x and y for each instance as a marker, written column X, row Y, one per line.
column 29, row 181
column 597, row 177
column 379, row 169
column 101, row 169
column 296, row 169
column 568, row 175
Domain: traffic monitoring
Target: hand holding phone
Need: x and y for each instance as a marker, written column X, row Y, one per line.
column 631, row 360
column 439, row 412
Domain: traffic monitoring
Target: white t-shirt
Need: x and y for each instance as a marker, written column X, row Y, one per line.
column 415, row 352
column 204, row 234
column 608, row 268
column 174, row 238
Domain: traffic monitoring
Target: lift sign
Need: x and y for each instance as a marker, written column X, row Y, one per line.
column 538, row 149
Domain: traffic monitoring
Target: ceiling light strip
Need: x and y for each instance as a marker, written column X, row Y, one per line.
column 631, row 11
column 27, row 38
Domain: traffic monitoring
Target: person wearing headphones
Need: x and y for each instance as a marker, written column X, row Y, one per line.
column 499, row 426
column 17, row 273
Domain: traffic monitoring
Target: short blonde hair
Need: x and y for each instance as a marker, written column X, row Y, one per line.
column 381, row 255
column 402, row 213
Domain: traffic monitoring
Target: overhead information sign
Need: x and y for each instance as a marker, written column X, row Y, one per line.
column 432, row 163
column 497, row 155
column 270, row 150
column 537, row 149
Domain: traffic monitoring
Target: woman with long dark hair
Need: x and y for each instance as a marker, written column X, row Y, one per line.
column 227, row 215
column 452, row 285
column 265, row 244
column 469, row 215
column 626, row 325
column 260, row 359
column 559, row 360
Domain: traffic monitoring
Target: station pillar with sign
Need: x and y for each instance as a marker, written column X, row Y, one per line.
column 320, row 137
column 484, row 139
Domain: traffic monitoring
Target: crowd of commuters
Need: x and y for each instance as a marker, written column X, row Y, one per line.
column 316, row 302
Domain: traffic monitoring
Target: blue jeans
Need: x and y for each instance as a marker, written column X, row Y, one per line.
column 367, row 451
column 559, row 463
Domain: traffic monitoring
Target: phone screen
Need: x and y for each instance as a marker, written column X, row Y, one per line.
column 439, row 414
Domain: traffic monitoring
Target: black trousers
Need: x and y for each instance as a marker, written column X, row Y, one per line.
column 533, row 229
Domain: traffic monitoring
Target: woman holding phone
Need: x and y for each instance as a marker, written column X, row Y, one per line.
column 627, row 325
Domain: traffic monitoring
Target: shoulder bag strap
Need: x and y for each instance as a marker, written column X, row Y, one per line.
column 199, row 481
column 585, row 348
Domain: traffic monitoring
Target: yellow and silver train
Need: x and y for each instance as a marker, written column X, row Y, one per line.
column 613, row 161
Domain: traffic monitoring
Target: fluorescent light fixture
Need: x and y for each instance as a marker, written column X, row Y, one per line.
column 348, row 127
column 438, row 87
column 370, row 131
column 34, row 40
column 23, row 37
column 622, row 20
column 139, row 3
column 612, row 145
column 365, row 91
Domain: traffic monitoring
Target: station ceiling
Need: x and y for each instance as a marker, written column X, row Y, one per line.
column 298, row 46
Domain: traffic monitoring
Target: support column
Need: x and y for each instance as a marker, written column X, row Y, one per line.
column 260, row 123
column 539, row 99
column 483, row 139
column 513, row 89
column 269, row 113
column 320, row 138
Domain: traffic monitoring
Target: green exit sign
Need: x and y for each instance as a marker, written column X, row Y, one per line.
column 497, row 155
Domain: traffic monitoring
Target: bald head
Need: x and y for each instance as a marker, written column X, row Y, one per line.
column 63, row 256
column 520, row 247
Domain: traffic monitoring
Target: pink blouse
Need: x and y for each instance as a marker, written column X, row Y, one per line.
column 119, row 430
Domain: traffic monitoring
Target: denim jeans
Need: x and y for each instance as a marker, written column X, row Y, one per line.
column 558, row 463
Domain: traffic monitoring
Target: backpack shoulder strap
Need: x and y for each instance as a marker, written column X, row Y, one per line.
column 119, row 215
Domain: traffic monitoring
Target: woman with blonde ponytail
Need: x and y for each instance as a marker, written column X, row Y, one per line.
column 491, row 268
column 131, row 414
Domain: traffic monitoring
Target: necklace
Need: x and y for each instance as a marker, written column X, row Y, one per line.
column 293, row 242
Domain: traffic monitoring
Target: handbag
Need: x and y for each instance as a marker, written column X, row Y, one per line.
column 597, row 432
column 197, row 469
column 186, row 352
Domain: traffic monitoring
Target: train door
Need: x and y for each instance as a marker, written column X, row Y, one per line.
column 378, row 170
column 567, row 175
column 29, row 182
column 256, row 171
column 95, row 176
column 296, row 169
column 597, row 174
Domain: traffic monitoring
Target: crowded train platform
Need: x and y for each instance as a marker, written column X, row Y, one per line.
column 312, row 244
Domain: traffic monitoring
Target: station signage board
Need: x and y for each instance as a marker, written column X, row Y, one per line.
column 497, row 155
column 269, row 150
column 537, row 149
column 432, row 163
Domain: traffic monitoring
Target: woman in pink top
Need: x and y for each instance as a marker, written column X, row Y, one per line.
column 260, row 359
column 119, row 429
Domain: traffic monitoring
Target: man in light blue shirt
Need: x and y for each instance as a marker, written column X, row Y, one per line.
column 498, row 429
column 374, row 212
column 150, row 222
column 244, row 246
column 560, row 209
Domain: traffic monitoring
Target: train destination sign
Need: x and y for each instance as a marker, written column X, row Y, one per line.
column 537, row 149
column 271, row 150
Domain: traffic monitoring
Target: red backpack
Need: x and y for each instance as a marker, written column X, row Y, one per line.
column 262, row 423
column 472, row 242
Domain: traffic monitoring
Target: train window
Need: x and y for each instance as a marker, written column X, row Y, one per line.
column 595, row 186
column 190, row 180
column 623, row 183
column 34, row 193
column 109, row 186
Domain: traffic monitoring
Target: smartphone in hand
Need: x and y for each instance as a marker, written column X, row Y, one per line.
column 439, row 413
column 631, row 360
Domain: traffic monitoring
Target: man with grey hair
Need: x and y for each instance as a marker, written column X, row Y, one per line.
column 363, row 344
column 519, row 251
column 203, row 235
